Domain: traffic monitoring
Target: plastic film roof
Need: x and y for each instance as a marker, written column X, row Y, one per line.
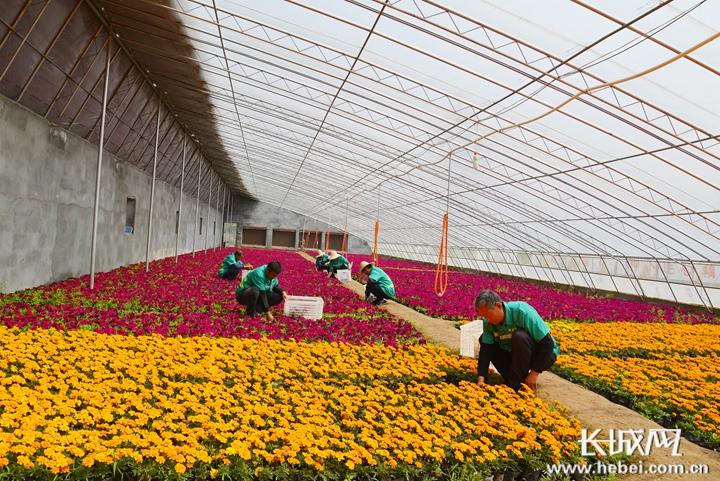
column 328, row 107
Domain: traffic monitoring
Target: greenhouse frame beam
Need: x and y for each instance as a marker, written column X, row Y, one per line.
column 152, row 190
column 179, row 216
column 232, row 89
column 98, row 174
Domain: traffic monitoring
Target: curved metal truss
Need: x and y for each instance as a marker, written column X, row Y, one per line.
column 402, row 110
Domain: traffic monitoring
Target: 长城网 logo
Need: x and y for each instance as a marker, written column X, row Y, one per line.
column 629, row 441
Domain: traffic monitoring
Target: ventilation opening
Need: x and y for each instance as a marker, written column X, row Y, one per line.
column 336, row 241
column 130, row 215
column 254, row 236
column 283, row 238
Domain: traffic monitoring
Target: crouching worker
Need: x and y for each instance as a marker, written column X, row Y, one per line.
column 322, row 261
column 515, row 339
column 260, row 290
column 379, row 287
column 337, row 262
column 232, row 265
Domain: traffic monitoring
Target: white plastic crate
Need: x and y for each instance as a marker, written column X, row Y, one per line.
column 344, row 275
column 470, row 338
column 303, row 306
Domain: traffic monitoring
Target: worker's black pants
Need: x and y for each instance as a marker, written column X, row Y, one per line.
column 323, row 267
column 232, row 271
column 525, row 354
column 259, row 302
column 373, row 288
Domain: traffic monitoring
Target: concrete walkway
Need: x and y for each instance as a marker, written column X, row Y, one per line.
column 593, row 410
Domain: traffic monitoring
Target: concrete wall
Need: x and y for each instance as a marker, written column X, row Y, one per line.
column 252, row 213
column 47, row 188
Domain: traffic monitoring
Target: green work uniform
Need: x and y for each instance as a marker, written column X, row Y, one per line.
column 518, row 315
column 227, row 262
column 322, row 261
column 339, row 263
column 379, row 277
column 257, row 278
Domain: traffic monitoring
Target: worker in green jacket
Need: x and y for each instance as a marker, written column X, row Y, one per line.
column 232, row 265
column 515, row 339
column 379, row 287
column 322, row 261
column 260, row 290
column 337, row 262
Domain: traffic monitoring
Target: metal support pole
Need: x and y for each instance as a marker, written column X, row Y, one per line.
column 217, row 211
column 302, row 239
column 96, row 207
column 197, row 206
column 182, row 183
column 222, row 222
column 207, row 231
column 152, row 191
column 230, row 219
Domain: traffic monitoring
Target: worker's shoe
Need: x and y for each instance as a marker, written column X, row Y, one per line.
column 371, row 298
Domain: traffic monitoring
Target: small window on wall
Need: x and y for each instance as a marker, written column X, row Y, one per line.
column 214, row 228
column 177, row 221
column 200, row 226
column 130, row 215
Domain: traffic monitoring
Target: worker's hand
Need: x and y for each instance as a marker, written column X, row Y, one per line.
column 531, row 380
column 269, row 316
column 249, row 266
column 285, row 296
column 480, row 381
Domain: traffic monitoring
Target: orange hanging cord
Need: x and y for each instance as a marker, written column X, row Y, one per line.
column 441, row 273
column 327, row 238
column 344, row 246
column 375, row 257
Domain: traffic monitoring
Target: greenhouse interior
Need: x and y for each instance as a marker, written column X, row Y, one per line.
column 468, row 240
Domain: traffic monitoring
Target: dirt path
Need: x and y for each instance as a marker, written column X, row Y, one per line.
column 593, row 410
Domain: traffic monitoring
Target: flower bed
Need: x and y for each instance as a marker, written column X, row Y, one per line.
column 188, row 298
column 201, row 407
column 414, row 287
column 198, row 401
column 668, row 372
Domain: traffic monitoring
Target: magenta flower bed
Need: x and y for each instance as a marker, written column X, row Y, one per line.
column 414, row 287
column 188, row 299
